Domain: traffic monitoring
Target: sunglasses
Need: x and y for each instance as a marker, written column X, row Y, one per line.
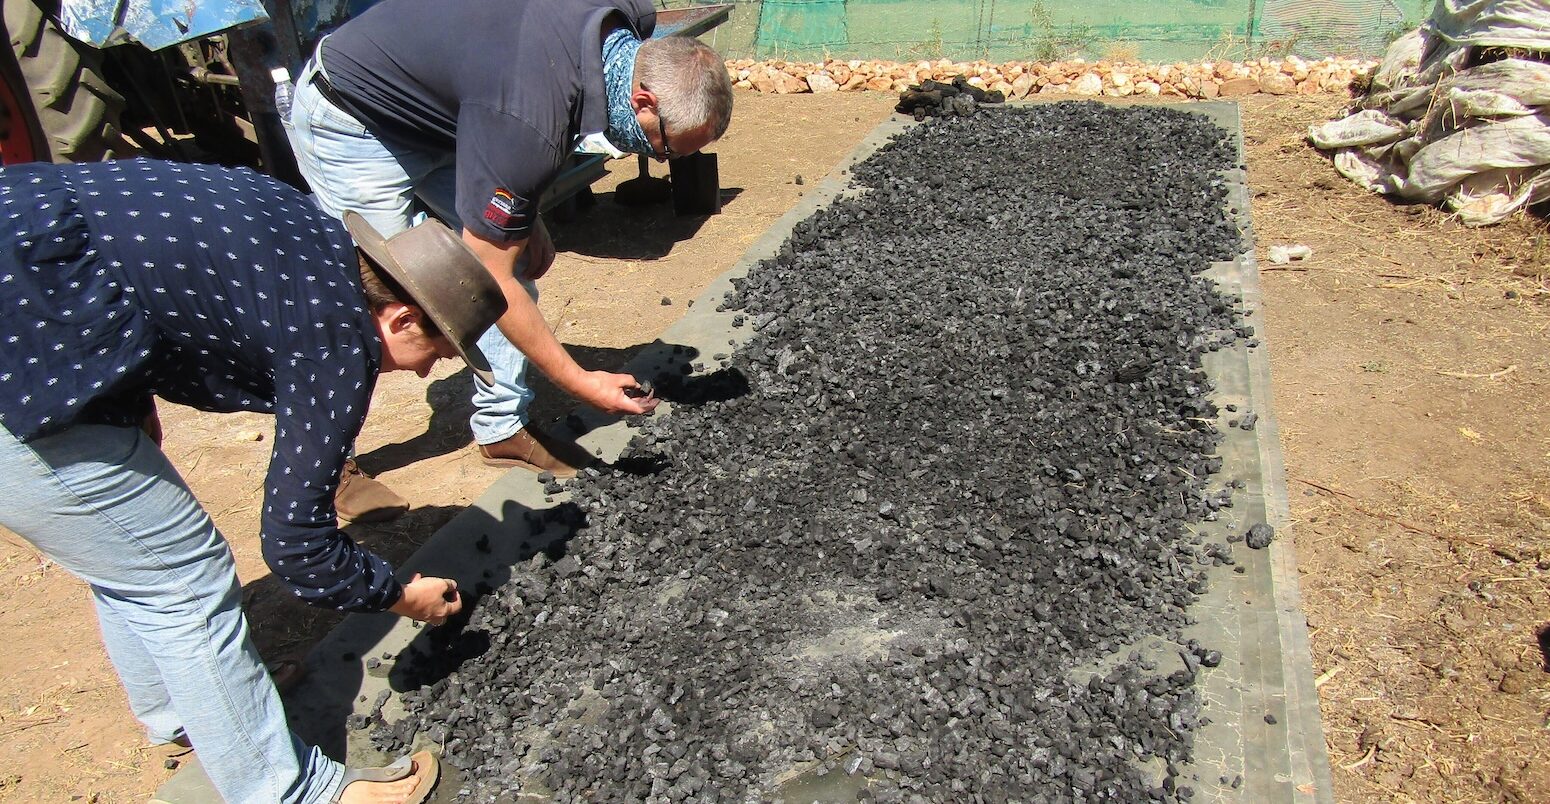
column 667, row 149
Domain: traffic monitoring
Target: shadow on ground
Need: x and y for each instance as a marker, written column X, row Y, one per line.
column 665, row 364
column 611, row 230
column 478, row 550
column 281, row 624
column 451, row 404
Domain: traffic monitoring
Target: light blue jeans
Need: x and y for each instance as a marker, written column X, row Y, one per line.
column 350, row 169
column 105, row 504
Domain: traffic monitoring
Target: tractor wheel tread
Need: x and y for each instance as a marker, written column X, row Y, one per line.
column 75, row 106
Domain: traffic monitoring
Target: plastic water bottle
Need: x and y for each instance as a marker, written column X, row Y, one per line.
column 284, row 91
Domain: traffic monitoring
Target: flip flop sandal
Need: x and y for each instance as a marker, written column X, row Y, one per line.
column 422, row 765
column 177, row 749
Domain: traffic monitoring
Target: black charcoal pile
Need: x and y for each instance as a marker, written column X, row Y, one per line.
column 907, row 541
column 955, row 98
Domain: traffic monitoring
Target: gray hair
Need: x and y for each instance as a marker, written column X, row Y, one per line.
column 690, row 81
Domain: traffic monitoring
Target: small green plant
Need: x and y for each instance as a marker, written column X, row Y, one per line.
column 1376, row 367
column 1044, row 42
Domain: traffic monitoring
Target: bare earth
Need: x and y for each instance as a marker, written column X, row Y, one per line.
column 1409, row 369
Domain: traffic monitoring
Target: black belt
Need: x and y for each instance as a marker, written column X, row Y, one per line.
column 332, row 95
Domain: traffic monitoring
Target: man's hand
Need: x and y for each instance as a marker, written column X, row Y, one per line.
column 429, row 600
column 610, row 393
column 151, row 424
column 538, row 256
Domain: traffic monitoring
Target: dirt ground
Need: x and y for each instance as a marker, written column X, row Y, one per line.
column 1409, row 373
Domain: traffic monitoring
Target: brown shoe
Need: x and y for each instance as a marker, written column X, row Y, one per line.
column 363, row 499
column 536, row 451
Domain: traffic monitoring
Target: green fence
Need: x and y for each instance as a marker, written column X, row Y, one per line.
column 1004, row 30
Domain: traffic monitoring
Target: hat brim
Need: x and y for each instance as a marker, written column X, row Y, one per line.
column 369, row 240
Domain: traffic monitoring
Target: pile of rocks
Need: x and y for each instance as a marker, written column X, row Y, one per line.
column 1018, row 79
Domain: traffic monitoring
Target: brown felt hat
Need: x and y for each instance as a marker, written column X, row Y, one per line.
column 442, row 277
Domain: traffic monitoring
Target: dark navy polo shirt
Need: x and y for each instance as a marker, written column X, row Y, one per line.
column 216, row 288
column 507, row 85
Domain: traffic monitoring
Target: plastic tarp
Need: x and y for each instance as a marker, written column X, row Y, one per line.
column 154, row 23
column 1439, row 126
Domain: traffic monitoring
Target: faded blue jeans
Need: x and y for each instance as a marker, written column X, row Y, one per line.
column 105, row 504
column 350, row 169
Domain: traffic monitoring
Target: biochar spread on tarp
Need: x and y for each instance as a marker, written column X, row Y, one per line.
column 904, row 544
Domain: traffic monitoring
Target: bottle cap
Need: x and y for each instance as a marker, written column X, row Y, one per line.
column 280, row 75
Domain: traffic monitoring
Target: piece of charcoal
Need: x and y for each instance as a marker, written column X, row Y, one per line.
column 1259, row 536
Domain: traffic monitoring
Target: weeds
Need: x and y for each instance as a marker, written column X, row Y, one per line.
column 1044, row 42
column 1122, row 52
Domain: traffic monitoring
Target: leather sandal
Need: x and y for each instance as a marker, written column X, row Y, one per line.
column 177, row 749
column 422, row 765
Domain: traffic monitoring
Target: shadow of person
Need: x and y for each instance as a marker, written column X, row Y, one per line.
column 451, row 403
column 617, row 231
column 281, row 624
column 482, row 552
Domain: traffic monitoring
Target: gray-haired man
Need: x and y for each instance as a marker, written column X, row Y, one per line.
column 468, row 110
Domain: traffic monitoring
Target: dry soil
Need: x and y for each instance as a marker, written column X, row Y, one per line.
column 1409, row 374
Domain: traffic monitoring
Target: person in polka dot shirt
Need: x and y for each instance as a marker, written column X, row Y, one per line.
column 223, row 290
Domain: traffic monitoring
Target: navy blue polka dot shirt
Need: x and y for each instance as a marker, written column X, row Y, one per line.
column 211, row 287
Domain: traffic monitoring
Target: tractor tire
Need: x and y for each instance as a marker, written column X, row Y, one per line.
column 66, row 97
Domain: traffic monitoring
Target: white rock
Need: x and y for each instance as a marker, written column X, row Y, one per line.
column 821, row 82
column 1281, row 255
column 1119, row 79
column 1088, row 84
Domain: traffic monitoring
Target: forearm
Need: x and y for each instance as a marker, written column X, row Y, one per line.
column 327, row 569
column 523, row 324
column 525, row 327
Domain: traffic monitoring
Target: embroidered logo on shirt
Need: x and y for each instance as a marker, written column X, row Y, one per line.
column 502, row 209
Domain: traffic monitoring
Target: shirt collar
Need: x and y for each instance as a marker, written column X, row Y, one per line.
column 594, row 97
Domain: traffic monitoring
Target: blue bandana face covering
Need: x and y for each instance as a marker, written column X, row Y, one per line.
column 624, row 130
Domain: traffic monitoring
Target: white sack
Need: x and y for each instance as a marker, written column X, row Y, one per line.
column 1430, row 129
column 1368, row 127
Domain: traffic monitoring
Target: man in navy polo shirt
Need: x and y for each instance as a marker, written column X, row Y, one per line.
column 468, row 110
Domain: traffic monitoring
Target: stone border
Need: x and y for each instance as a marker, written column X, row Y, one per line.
column 1202, row 80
